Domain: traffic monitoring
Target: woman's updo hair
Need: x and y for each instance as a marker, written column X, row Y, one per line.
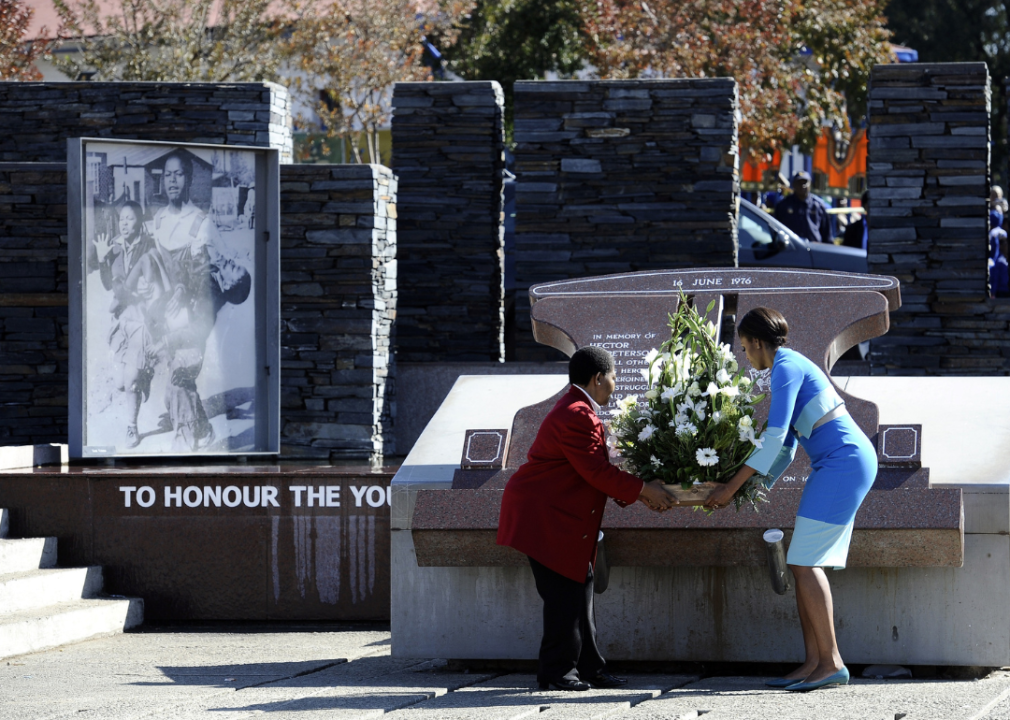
column 587, row 362
column 766, row 325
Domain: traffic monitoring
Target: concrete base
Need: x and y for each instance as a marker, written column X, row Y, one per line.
column 908, row 616
column 905, row 616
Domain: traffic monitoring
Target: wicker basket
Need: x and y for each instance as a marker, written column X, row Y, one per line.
column 694, row 495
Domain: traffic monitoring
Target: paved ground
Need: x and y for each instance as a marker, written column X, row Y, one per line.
column 349, row 674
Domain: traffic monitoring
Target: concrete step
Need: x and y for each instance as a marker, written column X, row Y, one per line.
column 35, row 589
column 22, row 555
column 5, row 524
column 33, row 630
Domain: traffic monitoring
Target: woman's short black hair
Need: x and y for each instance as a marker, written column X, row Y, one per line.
column 587, row 362
column 766, row 325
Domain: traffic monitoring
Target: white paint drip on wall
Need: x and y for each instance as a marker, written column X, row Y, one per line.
column 371, row 554
column 328, row 559
column 303, row 551
column 275, row 533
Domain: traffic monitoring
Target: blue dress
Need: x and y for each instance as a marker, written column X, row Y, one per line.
column 843, row 460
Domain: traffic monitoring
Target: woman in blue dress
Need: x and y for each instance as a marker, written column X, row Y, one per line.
column 805, row 406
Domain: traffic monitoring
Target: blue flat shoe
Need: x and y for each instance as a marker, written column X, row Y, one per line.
column 781, row 682
column 839, row 678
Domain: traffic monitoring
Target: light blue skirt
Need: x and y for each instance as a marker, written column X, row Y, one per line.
column 844, row 467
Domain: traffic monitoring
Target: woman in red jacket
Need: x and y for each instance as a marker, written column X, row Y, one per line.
column 551, row 511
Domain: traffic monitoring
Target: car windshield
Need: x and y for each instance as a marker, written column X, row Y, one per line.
column 753, row 232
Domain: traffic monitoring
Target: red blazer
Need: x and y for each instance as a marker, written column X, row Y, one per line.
column 553, row 505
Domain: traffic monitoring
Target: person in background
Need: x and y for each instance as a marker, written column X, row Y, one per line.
column 995, row 196
column 857, row 232
column 999, row 272
column 774, row 197
column 551, row 512
column 804, row 214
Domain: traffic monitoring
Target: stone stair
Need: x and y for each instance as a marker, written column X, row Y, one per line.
column 42, row 606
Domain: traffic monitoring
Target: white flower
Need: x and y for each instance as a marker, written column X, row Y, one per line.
column 730, row 391
column 712, row 389
column 645, row 373
column 651, row 355
column 694, row 390
column 746, row 421
column 647, row 432
column 722, row 377
column 745, row 382
column 670, row 394
column 686, row 429
column 684, row 407
column 655, row 462
column 652, row 394
column 625, row 403
column 700, row 411
column 717, row 417
column 747, row 433
column 706, row 457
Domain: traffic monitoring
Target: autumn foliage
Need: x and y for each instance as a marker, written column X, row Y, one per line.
column 17, row 54
column 799, row 63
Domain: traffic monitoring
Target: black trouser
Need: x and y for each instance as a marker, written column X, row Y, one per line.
column 568, row 649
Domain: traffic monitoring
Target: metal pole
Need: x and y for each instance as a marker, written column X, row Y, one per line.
column 777, row 570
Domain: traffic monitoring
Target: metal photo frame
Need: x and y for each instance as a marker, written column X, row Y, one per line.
column 174, row 299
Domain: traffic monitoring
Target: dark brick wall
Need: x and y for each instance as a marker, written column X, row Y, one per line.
column 448, row 142
column 928, row 176
column 37, row 118
column 338, row 301
column 619, row 176
column 33, row 303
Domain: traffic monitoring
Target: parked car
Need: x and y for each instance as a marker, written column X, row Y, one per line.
column 762, row 241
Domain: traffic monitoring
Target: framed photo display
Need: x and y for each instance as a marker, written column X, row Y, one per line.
column 174, row 277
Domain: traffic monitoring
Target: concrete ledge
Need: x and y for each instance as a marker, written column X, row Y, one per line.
column 28, row 456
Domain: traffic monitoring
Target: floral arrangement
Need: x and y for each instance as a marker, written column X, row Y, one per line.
column 695, row 424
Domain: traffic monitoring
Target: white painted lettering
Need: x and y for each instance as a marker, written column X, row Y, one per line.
column 253, row 501
column 170, row 496
column 212, row 494
column 270, row 496
column 127, row 492
column 376, row 496
column 742, row 281
column 389, row 495
column 192, row 496
column 232, row 496
column 358, row 494
column 297, row 490
column 704, row 282
column 315, row 494
column 146, row 497
column 332, row 496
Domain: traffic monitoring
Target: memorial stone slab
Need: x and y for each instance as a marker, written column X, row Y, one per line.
column 903, row 521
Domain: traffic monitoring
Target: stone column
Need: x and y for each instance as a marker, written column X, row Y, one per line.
column 338, row 301
column 448, row 142
column 619, row 176
column 928, row 177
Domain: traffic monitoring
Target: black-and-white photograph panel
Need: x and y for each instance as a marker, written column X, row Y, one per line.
column 173, row 253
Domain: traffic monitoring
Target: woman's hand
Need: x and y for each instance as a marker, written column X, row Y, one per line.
column 656, row 497
column 720, row 497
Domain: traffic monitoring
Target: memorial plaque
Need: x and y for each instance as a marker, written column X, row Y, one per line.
column 899, row 446
column 484, row 449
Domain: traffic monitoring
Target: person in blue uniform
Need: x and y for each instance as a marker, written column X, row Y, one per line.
column 805, row 407
column 804, row 214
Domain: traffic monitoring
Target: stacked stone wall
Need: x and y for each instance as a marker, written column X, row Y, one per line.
column 38, row 118
column 448, row 151
column 620, row 176
column 928, row 177
column 338, row 302
column 33, row 303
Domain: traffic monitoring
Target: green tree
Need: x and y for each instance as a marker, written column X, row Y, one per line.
column 962, row 31
column 509, row 40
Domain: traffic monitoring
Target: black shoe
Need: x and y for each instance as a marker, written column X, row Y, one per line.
column 606, row 681
column 564, row 684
